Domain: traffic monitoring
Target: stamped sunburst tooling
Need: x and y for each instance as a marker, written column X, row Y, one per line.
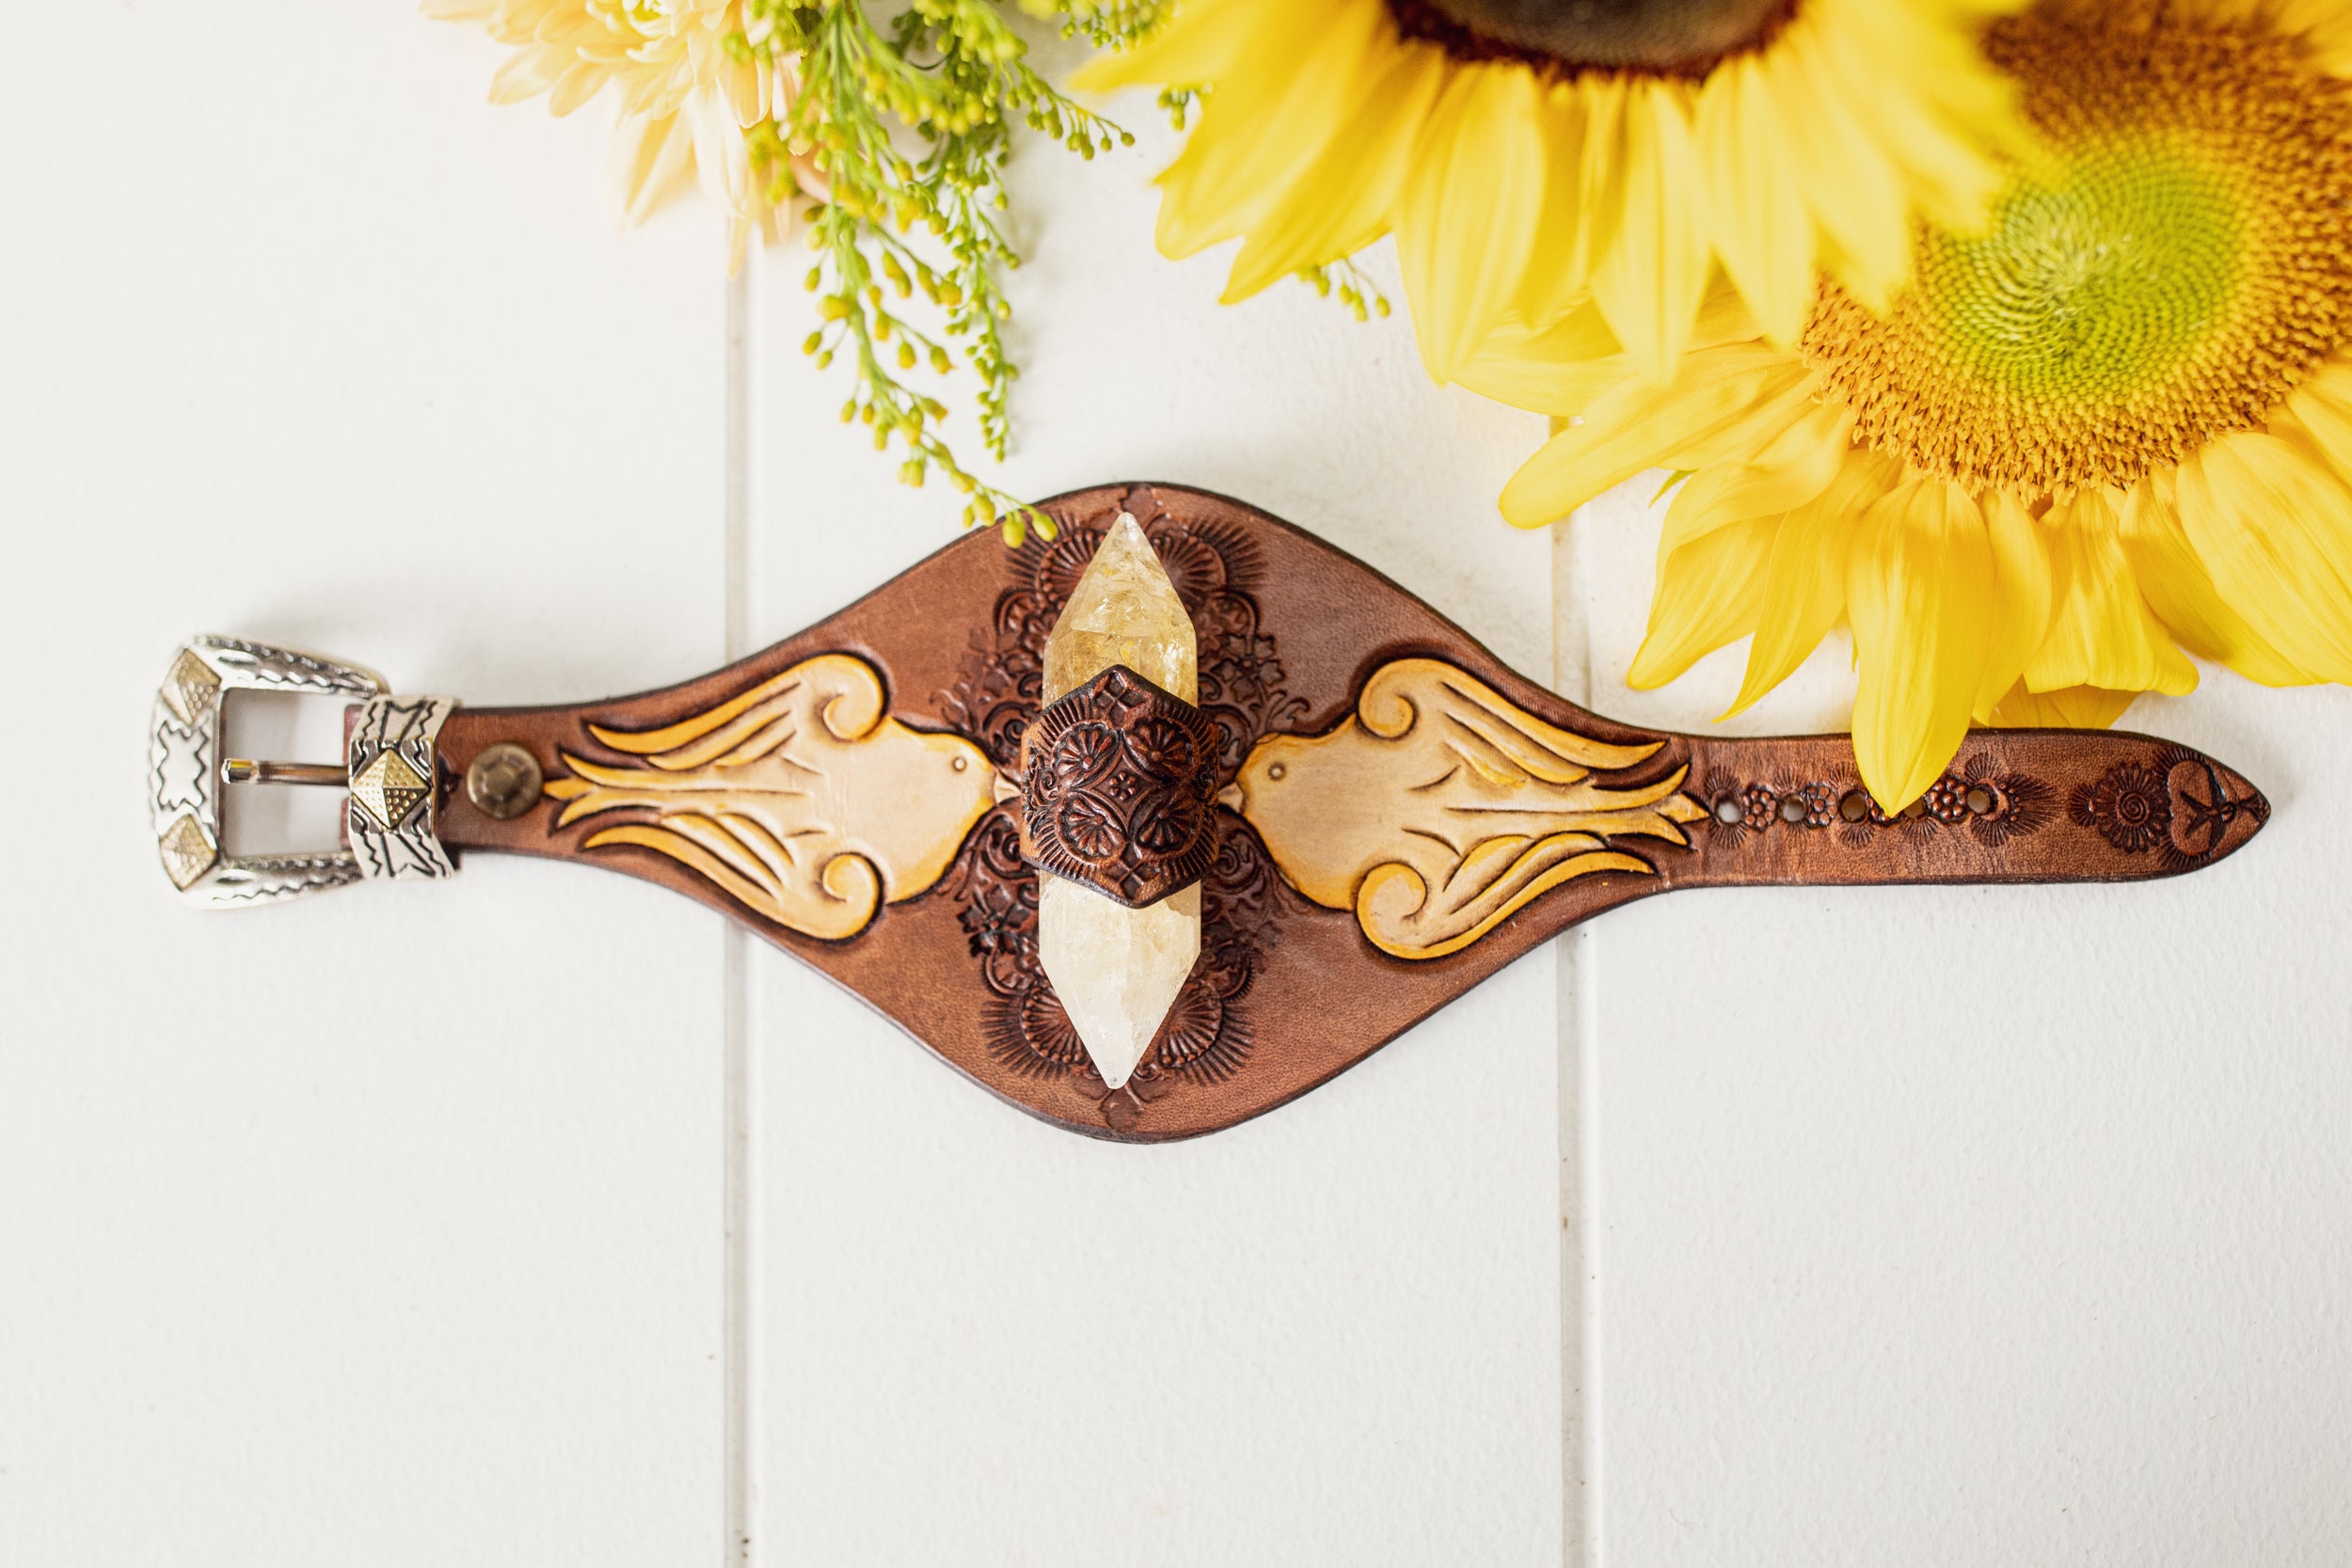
column 1356, row 809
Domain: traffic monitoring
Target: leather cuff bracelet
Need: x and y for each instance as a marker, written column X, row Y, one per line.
column 1376, row 813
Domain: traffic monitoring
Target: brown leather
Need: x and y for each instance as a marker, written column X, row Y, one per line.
column 1289, row 992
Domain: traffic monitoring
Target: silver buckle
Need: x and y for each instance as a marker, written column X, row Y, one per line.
column 389, row 772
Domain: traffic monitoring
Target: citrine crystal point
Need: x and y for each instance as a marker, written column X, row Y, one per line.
column 1124, row 611
column 1115, row 970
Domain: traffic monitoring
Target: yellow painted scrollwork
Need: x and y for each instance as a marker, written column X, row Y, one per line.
column 801, row 796
column 1438, row 808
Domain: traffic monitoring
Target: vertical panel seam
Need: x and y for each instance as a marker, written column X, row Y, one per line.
column 1579, row 1128
column 736, row 1074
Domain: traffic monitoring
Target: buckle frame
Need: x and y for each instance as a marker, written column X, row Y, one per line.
column 389, row 819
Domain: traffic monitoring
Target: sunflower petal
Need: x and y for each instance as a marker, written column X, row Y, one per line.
column 1555, row 280
column 1708, row 595
column 1857, row 197
column 1559, row 371
column 2073, row 707
column 1787, row 470
column 1757, row 215
column 1566, row 365
column 2318, row 417
column 1950, row 106
column 2101, row 633
column 2023, row 583
column 1651, row 277
column 1600, row 172
column 2182, row 592
column 1198, row 45
column 1345, row 199
column 1266, row 123
column 2327, row 27
column 1726, row 395
column 1919, row 586
column 2276, row 533
column 1469, row 209
column 1804, row 582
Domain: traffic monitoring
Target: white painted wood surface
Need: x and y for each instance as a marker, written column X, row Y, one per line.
column 1983, row 1225
column 1327, row 1336
column 382, row 1228
column 1972, row 1227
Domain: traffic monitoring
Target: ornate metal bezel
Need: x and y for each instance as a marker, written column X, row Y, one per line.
column 1118, row 780
column 396, row 789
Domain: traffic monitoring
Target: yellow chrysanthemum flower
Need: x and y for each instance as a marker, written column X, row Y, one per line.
column 2115, row 424
column 685, row 100
column 1527, row 152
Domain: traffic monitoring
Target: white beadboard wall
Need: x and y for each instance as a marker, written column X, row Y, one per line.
column 519, row 1219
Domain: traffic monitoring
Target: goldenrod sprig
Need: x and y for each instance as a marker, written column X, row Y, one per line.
column 1358, row 294
column 909, row 122
column 1108, row 24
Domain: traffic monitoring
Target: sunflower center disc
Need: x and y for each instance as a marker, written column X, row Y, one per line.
column 1655, row 35
column 2170, row 278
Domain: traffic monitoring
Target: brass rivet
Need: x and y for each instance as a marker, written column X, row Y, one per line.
column 503, row 782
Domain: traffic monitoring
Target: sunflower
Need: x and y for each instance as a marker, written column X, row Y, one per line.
column 1530, row 152
column 2112, row 425
column 687, row 97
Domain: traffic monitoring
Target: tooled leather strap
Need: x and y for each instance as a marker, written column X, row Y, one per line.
column 2014, row 806
column 1398, row 815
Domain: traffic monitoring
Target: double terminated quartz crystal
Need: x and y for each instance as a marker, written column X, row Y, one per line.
column 1114, row 969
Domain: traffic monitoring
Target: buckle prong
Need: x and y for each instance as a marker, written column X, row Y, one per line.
column 247, row 770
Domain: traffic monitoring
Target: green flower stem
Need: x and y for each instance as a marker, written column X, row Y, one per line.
column 898, row 220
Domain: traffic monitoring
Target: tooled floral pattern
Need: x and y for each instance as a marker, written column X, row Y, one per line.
column 2019, row 806
column 2129, row 806
column 1119, row 779
column 1214, row 569
column 2178, row 806
column 1994, row 806
column 1206, row 1038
